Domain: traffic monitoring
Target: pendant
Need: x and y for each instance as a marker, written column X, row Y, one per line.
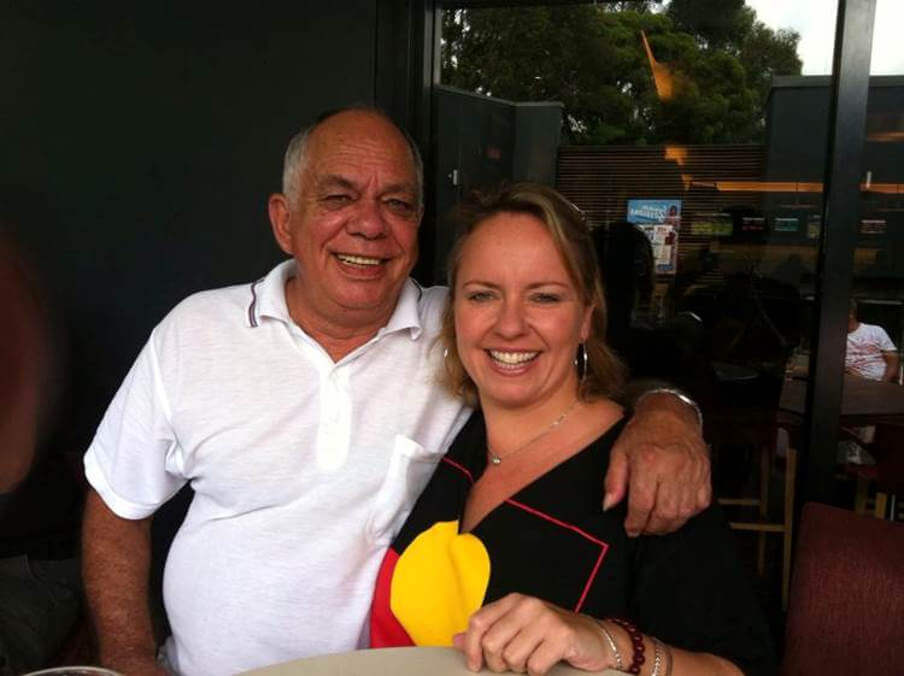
column 495, row 459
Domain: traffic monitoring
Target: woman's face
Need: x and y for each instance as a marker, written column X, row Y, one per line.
column 518, row 316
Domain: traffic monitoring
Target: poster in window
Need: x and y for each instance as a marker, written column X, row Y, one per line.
column 660, row 221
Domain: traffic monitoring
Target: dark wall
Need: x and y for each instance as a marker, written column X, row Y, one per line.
column 138, row 145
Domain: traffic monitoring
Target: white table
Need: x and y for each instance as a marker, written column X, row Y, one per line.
column 395, row 661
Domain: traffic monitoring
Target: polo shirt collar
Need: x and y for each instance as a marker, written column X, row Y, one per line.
column 268, row 295
column 268, row 299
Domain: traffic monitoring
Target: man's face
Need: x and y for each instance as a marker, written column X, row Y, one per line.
column 353, row 228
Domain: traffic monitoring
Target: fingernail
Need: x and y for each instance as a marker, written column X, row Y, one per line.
column 607, row 502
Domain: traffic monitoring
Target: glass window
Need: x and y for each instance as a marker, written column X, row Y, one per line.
column 873, row 400
column 694, row 141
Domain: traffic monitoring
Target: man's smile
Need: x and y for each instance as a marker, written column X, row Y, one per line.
column 351, row 259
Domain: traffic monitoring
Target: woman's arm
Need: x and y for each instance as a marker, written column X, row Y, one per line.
column 524, row 634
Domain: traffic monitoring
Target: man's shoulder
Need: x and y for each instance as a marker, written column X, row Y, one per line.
column 204, row 315
column 873, row 331
column 224, row 301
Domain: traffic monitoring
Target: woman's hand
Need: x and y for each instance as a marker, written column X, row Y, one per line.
column 524, row 634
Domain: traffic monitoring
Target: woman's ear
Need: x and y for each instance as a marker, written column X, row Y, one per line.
column 586, row 322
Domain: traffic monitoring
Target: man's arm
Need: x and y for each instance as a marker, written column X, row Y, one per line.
column 661, row 461
column 116, row 555
column 891, row 366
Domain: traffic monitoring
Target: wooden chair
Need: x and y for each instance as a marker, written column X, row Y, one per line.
column 847, row 596
column 760, row 424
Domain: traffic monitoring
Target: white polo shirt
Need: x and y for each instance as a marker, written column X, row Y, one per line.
column 303, row 469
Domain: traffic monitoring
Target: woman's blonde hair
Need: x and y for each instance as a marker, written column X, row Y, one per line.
column 568, row 229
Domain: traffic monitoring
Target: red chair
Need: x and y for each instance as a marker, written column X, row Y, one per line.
column 846, row 613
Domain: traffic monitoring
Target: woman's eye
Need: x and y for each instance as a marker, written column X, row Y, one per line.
column 546, row 298
column 479, row 296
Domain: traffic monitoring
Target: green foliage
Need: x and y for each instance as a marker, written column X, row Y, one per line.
column 591, row 58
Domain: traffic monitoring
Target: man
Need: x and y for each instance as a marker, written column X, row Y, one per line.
column 870, row 353
column 303, row 410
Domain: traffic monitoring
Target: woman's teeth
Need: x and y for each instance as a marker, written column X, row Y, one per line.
column 358, row 260
column 512, row 358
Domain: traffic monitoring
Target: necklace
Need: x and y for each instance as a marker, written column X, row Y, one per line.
column 496, row 459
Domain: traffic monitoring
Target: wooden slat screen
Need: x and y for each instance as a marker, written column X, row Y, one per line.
column 601, row 179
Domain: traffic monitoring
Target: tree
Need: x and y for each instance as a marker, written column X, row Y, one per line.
column 591, row 58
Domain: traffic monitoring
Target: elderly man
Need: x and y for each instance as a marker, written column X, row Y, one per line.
column 303, row 411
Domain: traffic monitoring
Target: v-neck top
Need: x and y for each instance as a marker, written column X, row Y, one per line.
column 551, row 540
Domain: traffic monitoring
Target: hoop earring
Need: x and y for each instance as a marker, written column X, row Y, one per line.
column 581, row 361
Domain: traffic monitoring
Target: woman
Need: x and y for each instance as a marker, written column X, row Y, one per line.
column 506, row 554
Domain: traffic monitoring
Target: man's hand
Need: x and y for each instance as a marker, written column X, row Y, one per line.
column 662, row 463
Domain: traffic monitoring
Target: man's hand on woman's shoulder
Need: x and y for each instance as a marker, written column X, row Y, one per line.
column 661, row 463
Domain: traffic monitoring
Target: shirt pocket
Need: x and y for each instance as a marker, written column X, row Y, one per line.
column 410, row 468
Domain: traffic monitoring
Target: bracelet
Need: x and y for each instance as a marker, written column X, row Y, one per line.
column 619, row 665
column 682, row 397
column 658, row 651
column 637, row 659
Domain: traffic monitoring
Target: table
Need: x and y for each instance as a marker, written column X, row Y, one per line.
column 396, row 661
column 863, row 402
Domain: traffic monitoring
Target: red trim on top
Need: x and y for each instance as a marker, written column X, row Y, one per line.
column 460, row 468
column 385, row 628
column 604, row 547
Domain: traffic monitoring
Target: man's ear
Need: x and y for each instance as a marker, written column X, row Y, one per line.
column 280, row 217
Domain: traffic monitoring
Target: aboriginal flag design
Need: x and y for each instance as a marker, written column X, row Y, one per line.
column 549, row 540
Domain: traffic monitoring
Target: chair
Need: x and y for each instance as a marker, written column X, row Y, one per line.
column 887, row 473
column 755, row 416
column 847, row 596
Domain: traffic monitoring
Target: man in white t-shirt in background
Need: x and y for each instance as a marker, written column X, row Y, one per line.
column 870, row 353
column 304, row 412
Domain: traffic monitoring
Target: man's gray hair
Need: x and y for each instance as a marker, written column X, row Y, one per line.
column 296, row 153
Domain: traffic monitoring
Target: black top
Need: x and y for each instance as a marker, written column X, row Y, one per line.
column 551, row 540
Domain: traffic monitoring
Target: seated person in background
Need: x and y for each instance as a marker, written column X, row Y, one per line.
column 870, row 353
column 507, row 554
column 39, row 492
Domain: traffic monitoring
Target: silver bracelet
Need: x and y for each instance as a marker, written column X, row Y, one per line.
column 657, row 655
column 681, row 396
column 661, row 651
column 619, row 665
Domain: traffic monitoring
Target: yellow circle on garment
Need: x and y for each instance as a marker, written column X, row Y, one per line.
column 438, row 582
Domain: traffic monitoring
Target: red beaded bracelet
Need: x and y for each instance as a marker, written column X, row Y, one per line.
column 637, row 659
